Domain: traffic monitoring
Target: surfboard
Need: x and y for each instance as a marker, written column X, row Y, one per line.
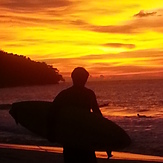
column 72, row 126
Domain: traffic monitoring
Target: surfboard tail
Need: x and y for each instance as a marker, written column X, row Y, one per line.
column 13, row 113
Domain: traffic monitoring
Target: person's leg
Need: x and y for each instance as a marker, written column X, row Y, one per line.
column 109, row 153
column 92, row 157
column 87, row 156
column 69, row 155
column 72, row 155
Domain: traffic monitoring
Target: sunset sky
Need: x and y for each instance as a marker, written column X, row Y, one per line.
column 110, row 38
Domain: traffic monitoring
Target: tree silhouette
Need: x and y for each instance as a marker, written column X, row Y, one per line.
column 17, row 70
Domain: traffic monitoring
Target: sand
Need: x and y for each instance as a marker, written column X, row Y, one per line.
column 10, row 153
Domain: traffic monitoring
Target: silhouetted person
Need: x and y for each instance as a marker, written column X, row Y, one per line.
column 80, row 97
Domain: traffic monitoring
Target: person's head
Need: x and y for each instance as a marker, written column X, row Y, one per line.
column 79, row 76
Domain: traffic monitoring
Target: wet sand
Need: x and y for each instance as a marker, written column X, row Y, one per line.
column 10, row 153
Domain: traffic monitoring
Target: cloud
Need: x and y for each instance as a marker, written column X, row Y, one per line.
column 142, row 13
column 30, row 20
column 33, row 5
column 119, row 45
column 132, row 27
column 24, row 13
column 15, row 45
column 69, row 13
column 145, row 54
column 126, row 63
column 129, row 28
column 79, row 22
column 6, row 37
column 123, row 29
column 152, row 21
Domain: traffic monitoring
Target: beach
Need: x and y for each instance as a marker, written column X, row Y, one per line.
column 146, row 132
column 20, row 145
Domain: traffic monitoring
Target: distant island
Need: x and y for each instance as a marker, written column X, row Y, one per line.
column 18, row 70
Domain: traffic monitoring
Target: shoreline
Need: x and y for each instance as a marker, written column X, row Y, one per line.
column 11, row 153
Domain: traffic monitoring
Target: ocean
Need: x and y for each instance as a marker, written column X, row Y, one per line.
column 121, row 101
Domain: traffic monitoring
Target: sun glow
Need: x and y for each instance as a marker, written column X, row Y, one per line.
column 94, row 34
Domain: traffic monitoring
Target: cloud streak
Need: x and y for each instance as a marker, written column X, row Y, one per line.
column 34, row 5
column 142, row 13
column 119, row 45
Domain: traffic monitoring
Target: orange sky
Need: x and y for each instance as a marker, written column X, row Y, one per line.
column 108, row 37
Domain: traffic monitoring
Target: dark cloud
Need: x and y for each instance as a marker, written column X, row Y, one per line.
column 119, row 45
column 142, row 13
column 79, row 22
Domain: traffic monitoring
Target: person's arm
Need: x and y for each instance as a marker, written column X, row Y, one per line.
column 95, row 107
column 51, row 117
column 96, row 110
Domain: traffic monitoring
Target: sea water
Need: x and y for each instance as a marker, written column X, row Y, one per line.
column 122, row 101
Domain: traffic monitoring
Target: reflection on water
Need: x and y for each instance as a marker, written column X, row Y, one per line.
column 123, row 97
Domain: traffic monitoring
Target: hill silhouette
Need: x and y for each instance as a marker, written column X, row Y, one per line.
column 17, row 70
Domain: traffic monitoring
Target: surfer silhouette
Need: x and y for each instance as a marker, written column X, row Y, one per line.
column 80, row 97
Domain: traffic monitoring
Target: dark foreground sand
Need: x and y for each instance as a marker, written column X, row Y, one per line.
column 35, row 154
